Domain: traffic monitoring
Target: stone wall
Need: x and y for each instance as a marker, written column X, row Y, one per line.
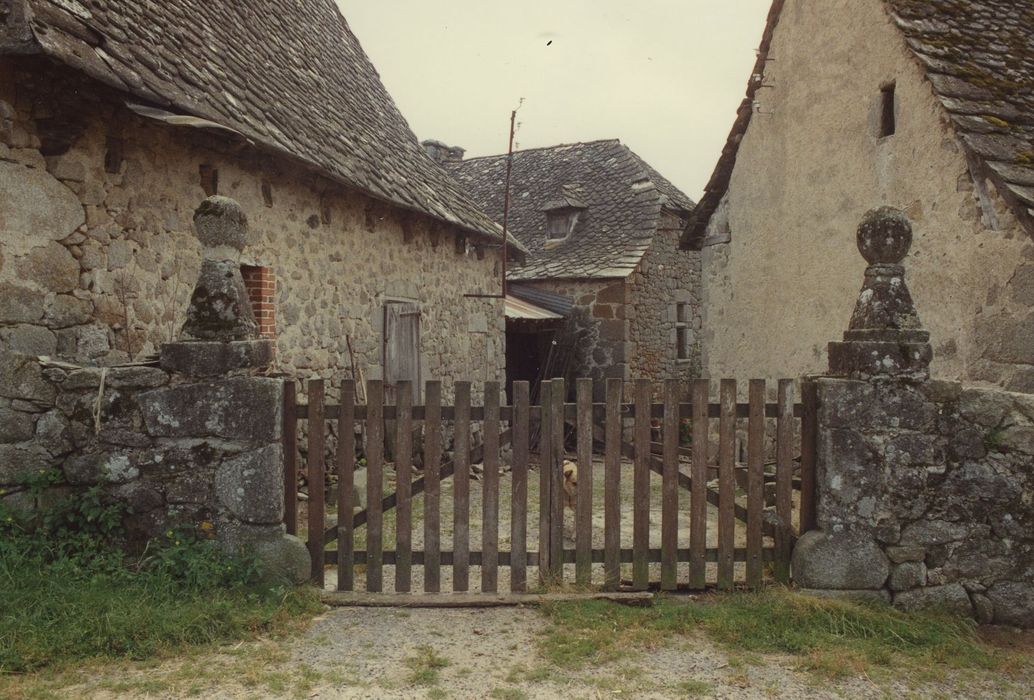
column 664, row 277
column 633, row 319
column 779, row 265
column 929, row 489
column 97, row 257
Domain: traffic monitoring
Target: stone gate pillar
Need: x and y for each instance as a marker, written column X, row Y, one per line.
column 218, row 399
column 885, row 353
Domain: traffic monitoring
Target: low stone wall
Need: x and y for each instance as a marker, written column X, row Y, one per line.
column 929, row 489
column 178, row 451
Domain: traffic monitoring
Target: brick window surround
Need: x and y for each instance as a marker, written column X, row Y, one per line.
column 261, row 285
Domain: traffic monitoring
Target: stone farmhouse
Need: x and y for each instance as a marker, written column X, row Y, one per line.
column 924, row 105
column 602, row 228
column 118, row 119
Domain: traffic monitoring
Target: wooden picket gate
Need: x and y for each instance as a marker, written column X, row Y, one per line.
column 598, row 428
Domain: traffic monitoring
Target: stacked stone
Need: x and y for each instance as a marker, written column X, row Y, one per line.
column 925, row 488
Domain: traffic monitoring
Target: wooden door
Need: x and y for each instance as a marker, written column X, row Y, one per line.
column 401, row 348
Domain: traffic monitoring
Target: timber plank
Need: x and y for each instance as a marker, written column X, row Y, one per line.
column 784, row 478
column 545, row 460
column 290, row 443
column 432, row 487
column 461, row 490
column 374, row 484
column 490, row 491
column 698, row 486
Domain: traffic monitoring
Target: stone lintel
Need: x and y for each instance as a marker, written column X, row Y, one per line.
column 211, row 358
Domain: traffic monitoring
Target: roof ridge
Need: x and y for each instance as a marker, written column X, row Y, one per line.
column 543, row 148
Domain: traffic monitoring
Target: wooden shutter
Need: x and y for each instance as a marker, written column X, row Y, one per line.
column 401, row 347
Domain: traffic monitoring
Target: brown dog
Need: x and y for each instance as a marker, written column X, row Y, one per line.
column 570, row 483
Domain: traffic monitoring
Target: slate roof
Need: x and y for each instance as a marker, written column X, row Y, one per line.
column 622, row 195
column 287, row 74
column 979, row 58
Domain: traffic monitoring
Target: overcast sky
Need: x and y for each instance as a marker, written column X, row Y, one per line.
column 664, row 76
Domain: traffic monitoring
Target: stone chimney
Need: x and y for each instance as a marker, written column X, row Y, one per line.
column 443, row 153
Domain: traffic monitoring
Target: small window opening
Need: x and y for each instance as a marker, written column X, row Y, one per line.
column 888, row 125
column 683, row 332
column 325, row 211
column 267, row 193
column 261, row 285
column 209, row 179
column 560, row 224
column 113, row 155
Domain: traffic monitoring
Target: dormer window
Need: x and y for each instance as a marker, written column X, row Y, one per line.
column 562, row 214
column 560, row 223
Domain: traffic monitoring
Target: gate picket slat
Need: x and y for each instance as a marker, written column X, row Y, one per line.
column 612, row 487
column 698, row 494
column 727, row 485
column 670, row 487
column 490, row 492
column 404, row 489
column 556, row 494
column 315, row 478
column 809, row 424
column 519, row 473
column 583, row 501
column 346, row 487
column 374, row 485
column 784, row 480
column 432, row 487
column 290, row 443
column 755, row 481
column 461, row 490
column 641, row 488
column 545, row 460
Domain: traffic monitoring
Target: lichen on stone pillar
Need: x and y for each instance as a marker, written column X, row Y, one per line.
column 885, row 339
column 219, row 307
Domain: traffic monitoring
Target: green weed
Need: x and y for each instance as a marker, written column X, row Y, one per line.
column 425, row 665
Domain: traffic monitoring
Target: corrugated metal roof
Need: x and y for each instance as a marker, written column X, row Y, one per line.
column 557, row 303
column 526, row 311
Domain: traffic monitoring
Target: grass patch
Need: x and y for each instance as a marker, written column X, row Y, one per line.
column 830, row 637
column 508, row 694
column 71, row 595
column 694, row 688
column 425, row 665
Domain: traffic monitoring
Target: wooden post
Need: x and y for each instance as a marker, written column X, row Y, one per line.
column 545, row 475
column 461, row 490
column 784, row 481
column 404, row 488
column 641, row 488
column 374, row 485
column 519, row 472
column 809, row 435
column 490, row 492
column 290, row 442
column 755, row 481
column 432, row 487
column 698, row 494
column 317, row 509
column 346, row 487
column 612, row 487
column 727, row 486
column 670, row 487
column 583, row 501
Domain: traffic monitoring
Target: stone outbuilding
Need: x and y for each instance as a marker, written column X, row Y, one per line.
column 924, row 105
column 117, row 118
column 601, row 227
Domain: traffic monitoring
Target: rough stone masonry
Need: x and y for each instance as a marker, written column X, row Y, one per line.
column 925, row 488
column 194, row 443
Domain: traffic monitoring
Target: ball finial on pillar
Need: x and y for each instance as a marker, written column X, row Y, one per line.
column 885, row 338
